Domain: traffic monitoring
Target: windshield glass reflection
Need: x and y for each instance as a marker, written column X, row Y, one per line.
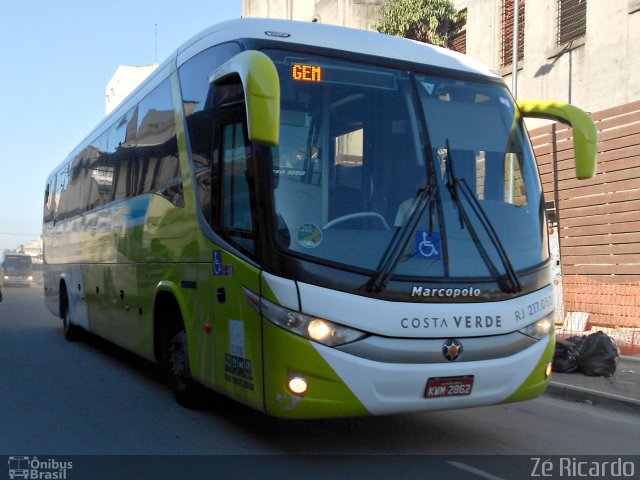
column 354, row 154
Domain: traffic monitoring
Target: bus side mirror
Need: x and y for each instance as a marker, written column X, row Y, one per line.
column 261, row 86
column 585, row 135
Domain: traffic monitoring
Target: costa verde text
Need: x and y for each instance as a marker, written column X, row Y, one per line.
column 461, row 321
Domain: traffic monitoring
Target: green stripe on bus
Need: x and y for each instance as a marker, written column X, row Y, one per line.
column 536, row 383
column 327, row 396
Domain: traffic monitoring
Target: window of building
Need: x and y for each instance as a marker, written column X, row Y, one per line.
column 572, row 20
column 458, row 41
column 506, row 51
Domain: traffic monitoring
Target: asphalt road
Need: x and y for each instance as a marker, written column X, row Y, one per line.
column 91, row 398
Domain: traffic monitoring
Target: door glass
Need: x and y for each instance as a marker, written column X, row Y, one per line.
column 236, row 220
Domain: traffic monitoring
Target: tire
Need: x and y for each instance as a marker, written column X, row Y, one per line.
column 72, row 332
column 186, row 390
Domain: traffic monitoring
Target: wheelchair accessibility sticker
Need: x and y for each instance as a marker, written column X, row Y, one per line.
column 218, row 268
column 428, row 245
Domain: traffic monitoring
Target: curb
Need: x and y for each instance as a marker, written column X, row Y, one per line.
column 634, row 359
column 581, row 394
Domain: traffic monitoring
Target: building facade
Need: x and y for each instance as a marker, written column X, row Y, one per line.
column 351, row 13
column 581, row 51
column 123, row 82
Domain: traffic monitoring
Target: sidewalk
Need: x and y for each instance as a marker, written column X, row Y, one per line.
column 619, row 392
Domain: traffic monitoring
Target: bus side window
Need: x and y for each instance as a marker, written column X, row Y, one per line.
column 157, row 147
column 61, row 191
column 49, row 206
column 74, row 201
column 123, row 137
column 101, row 171
column 197, row 94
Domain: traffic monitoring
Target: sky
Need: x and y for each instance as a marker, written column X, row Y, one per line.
column 56, row 58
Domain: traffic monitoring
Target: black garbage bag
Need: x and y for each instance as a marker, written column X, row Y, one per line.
column 564, row 358
column 575, row 341
column 598, row 355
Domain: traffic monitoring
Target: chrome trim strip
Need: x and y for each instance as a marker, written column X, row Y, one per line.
column 421, row 351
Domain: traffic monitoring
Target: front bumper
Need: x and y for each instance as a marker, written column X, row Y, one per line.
column 341, row 384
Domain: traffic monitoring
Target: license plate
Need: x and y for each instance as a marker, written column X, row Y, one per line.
column 448, row 387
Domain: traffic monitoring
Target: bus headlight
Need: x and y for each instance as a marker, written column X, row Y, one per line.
column 317, row 329
column 539, row 329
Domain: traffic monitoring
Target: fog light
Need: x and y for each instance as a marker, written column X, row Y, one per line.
column 548, row 369
column 298, row 385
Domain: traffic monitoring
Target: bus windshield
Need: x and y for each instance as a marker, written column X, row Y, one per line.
column 359, row 146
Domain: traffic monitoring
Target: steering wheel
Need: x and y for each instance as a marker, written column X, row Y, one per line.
column 351, row 216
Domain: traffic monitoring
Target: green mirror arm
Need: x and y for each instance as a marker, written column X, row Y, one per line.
column 585, row 135
column 261, row 86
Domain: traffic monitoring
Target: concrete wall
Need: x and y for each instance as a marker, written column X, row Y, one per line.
column 123, row 82
column 287, row 9
column 352, row 13
column 599, row 71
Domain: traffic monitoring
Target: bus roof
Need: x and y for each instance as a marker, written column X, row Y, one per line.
column 336, row 38
column 297, row 33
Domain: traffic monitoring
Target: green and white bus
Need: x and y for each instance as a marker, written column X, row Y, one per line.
column 316, row 222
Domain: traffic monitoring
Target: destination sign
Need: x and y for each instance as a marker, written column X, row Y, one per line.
column 306, row 73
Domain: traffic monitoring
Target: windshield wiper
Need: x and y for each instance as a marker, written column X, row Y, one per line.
column 452, row 185
column 401, row 239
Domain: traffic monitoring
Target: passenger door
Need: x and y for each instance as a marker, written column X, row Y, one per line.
column 238, row 342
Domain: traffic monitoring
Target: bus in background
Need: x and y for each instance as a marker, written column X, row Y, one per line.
column 17, row 270
column 314, row 231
